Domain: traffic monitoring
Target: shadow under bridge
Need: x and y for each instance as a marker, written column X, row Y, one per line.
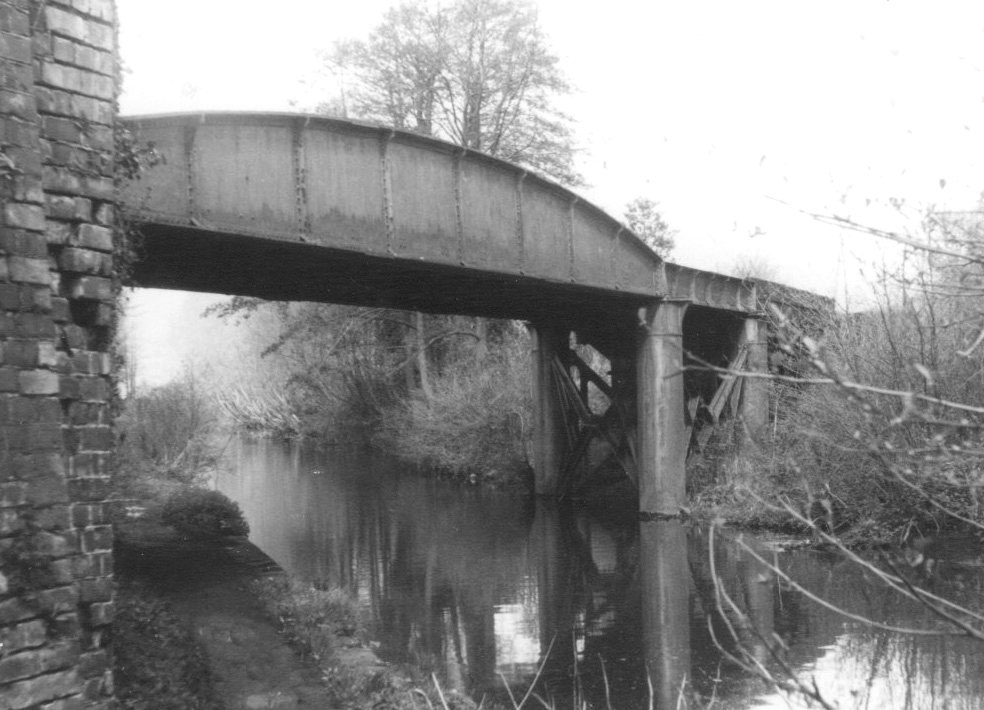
column 297, row 207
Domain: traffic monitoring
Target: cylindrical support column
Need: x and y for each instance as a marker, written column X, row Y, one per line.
column 662, row 431
column 549, row 433
column 754, row 412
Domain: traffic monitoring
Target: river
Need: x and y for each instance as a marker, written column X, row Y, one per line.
column 484, row 587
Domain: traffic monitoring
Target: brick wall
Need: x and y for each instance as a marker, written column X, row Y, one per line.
column 57, row 92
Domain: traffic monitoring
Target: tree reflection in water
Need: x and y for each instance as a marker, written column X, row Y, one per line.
column 476, row 585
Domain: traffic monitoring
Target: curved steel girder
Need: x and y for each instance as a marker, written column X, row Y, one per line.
column 398, row 198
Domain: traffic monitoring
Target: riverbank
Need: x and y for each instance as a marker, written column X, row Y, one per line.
column 213, row 624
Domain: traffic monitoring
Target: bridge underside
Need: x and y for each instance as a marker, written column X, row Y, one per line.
column 172, row 257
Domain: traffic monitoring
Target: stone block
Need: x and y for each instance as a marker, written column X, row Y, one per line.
column 23, row 216
column 53, row 518
column 55, row 546
column 61, row 129
column 15, row 47
column 50, row 490
column 14, row 21
column 91, row 288
column 19, row 104
column 66, row 23
column 12, row 495
column 97, row 539
column 38, row 382
column 94, row 663
column 97, row 85
column 60, row 311
column 55, row 102
column 76, row 702
column 73, row 336
column 59, row 656
column 44, row 437
column 92, row 236
column 18, row 77
column 60, row 600
column 63, row 50
column 94, row 389
column 29, row 634
column 89, row 489
column 57, row 232
column 92, row 110
column 101, row 138
column 18, row 134
column 61, row 76
column 96, row 590
column 274, row 700
column 101, row 188
column 85, row 261
column 68, row 387
column 33, row 325
column 96, row 438
column 62, row 180
column 23, row 243
column 20, row 665
column 33, row 691
column 15, row 610
column 11, row 523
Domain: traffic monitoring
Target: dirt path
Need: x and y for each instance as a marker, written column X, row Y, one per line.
column 253, row 668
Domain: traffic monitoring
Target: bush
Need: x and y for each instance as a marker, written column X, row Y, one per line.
column 166, row 438
column 198, row 510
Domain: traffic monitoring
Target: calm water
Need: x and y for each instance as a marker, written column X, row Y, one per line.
column 479, row 585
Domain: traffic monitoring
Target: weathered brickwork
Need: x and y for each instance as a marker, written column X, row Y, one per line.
column 57, row 108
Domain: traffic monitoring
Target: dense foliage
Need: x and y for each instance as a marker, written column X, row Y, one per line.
column 198, row 511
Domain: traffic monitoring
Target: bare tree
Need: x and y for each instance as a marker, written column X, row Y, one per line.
column 885, row 435
column 479, row 73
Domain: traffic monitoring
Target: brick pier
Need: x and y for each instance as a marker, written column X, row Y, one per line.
column 57, row 109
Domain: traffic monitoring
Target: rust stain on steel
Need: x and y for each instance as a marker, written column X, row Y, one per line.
column 459, row 225
column 377, row 191
column 520, row 232
column 616, row 241
column 302, row 213
column 189, row 157
column 570, row 238
column 388, row 219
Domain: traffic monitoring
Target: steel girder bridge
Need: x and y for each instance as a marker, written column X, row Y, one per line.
column 298, row 207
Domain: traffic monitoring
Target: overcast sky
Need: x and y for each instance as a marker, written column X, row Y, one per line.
column 732, row 115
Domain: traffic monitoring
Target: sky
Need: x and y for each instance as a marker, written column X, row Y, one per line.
column 737, row 117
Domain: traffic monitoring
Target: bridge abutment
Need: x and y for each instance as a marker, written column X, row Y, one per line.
column 58, row 65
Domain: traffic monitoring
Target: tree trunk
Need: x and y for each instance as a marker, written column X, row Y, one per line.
column 425, row 387
column 482, row 345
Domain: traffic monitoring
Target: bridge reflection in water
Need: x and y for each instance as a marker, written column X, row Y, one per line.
column 477, row 586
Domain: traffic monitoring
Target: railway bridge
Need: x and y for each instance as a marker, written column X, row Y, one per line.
column 299, row 207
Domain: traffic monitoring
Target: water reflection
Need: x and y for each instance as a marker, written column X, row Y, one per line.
column 478, row 586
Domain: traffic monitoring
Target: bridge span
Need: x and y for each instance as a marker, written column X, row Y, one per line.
column 297, row 207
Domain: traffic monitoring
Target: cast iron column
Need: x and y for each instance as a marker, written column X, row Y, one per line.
column 662, row 430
